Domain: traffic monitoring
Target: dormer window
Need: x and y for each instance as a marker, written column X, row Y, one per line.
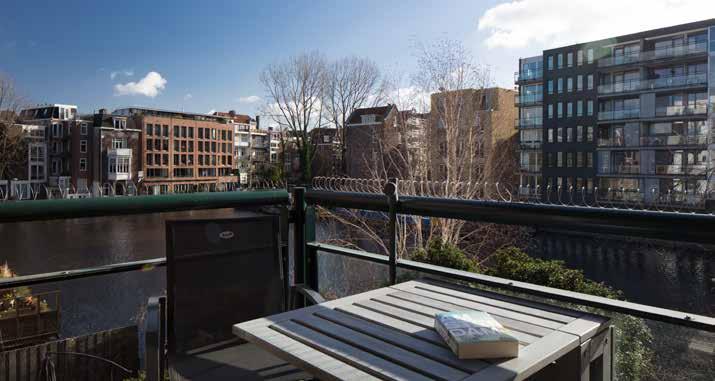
column 370, row 118
column 119, row 124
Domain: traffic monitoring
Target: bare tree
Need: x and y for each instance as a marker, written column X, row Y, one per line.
column 294, row 91
column 351, row 83
column 445, row 153
column 12, row 148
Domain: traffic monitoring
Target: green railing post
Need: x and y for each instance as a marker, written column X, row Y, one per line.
column 311, row 255
column 391, row 193
column 299, row 262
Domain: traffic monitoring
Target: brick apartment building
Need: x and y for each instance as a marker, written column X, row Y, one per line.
column 182, row 151
column 488, row 113
column 24, row 178
column 68, row 145
column 116, row 153
column 370, row 134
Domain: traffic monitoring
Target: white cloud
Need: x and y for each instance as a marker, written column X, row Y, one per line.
column 126, row 73
column 149, row 86
column 188, row 96
column 552, row 23
column 211, row 112
column 249, row 99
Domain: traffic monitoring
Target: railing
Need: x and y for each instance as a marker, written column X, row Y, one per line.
column 535, row 122
column 620, row 87
column 650, row 55
column 529, row 75
column 646, row 224
column 653, row 84
column 528, row 99
column 611, row 142
column 674, row 140
column 530, row 167
column 681, row 110
column 695, row 228
column 622, row 169
column 619, row 114
column 530, row 145
column 680, row 169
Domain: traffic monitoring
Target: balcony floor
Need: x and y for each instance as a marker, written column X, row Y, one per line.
column 235, row 361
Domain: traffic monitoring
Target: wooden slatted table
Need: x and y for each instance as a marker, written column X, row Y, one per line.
column 388, row 334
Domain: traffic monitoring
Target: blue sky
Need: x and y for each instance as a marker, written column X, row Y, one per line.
column 208, row 55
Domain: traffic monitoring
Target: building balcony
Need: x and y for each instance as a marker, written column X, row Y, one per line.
column 667, row 83
column 530, row 145
column 532, row 168
column 119, row 176
column 392, row 324
column 523, row 100
column 620, row 169
column 695, row 49
column 674, row 140
column 680, row 169
column 619, row 114
column 242, row 144
column 528, row 76
column 667, row 111
column 116, row 152
column 529, row 122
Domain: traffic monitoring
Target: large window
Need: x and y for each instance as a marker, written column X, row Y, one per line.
column 83, row 146
column 83, row 165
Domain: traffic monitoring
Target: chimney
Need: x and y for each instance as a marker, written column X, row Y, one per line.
column 258, row 122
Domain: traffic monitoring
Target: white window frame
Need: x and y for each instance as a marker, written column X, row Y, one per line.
column 83, row 129
column 83, row 163
column 83, row 146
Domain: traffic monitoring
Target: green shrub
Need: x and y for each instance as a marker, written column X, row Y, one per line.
column 444, row 254
column 633, row 355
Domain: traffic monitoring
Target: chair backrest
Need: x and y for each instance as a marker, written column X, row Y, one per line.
column 219, row 273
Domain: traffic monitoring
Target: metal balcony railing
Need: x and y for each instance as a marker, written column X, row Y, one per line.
column 528, row 99
column 673, row 140
column 651, row 55
column 530, row 75
column 692, row 80
column 696, row 228
column 535, row 122
column 530, row 167
column 620, row 169
column 619, row 114
column 530, row 145
column 681, row 110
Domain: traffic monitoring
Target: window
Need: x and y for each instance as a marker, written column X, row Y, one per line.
column 177, row 131
column 569, row 135
column 569, row 59
column 589, row 56
column 579, row 134
column 560, row 85
column 119, row 143
column 560, row 60
column 559, row 159
column 559, row 134
column 149, row 159
column 191, row 132
column 579, row 159
column 589, row 107
column 579, row 108
column 201, row 133
column 579, row 57
column 184, row 133
column 559, row 110
column 55, row 166
column 166, row 131
column 550, row 111
column 83, row 146
column 119, row 124
column 569, row 109
column 56, row 130
column 83, row 165
column 550, row 86
column 589, row 134
column 157, row 130
column 149, row 129
column 83, row 129
column 569, row 84
column 579, row 82
column 550, row 62
column 590, row 81
column 569, row 159
column 550, row 135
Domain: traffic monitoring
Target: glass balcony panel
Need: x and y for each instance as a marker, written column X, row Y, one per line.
column 523, row 99
column 535, row 122
column 662, row 53
column 619, row 114
column 674, row 140
column 680, row 110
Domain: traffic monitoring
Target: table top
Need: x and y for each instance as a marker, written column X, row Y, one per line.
column 388, row 334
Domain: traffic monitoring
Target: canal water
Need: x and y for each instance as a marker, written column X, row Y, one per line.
column 664, row 274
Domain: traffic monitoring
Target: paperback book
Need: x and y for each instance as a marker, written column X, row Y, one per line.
column 475, row 335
